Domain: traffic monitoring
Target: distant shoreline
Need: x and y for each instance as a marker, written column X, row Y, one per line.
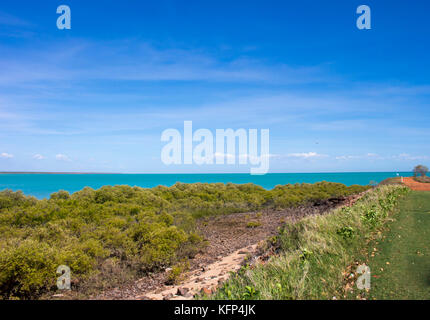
column 59, row 173
column 204, row 173
column 43, row 184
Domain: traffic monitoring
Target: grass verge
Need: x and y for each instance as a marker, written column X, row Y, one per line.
column 315, row 252
column 400, row 261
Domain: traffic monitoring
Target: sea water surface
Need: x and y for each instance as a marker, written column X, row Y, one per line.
column 42, row 185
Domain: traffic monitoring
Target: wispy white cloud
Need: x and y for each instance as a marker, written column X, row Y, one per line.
column 62, row 157
column 306, row 155
column 219, row 155
column 256, row 158
column 38, row 157
column 374, row 156
column 402, row 90
column 127, row 60
column 6, row 155
column 11, row 20
column 406, row 156
column 369, row 155
column 242, row 158
column 346, row 157
column 340, row 115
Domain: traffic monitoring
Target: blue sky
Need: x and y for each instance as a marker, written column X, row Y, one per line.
column 96, row 98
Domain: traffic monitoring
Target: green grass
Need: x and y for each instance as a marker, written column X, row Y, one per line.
column 315, row 252
column 406, row 247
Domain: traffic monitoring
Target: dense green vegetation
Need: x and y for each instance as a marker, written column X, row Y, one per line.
column 110, row 234
column 400, row 261
column 315, row 252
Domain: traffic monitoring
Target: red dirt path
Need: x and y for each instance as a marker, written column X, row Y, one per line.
column 415, row 185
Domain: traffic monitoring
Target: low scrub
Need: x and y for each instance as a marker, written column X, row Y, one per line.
column 314, row 252
column 101, row 233
column 390, row 181
column 253, row 224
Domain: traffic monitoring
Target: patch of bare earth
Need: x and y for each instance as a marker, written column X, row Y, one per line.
column 231, row 239
column 415, row 185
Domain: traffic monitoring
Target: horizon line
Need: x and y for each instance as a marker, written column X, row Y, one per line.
column 185, row 173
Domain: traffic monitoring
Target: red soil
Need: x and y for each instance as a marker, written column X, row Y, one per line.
column 415, row 185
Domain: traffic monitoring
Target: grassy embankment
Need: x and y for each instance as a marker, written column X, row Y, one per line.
column 114, row 234
column 400, row 261
column 315, row 252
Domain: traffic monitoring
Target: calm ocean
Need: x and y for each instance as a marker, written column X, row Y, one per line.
column 42, row 185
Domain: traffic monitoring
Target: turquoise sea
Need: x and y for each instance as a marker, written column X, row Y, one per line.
column 42, row 185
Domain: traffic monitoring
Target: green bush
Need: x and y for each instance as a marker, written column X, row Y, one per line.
column 27, row 267
column 176, row 274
